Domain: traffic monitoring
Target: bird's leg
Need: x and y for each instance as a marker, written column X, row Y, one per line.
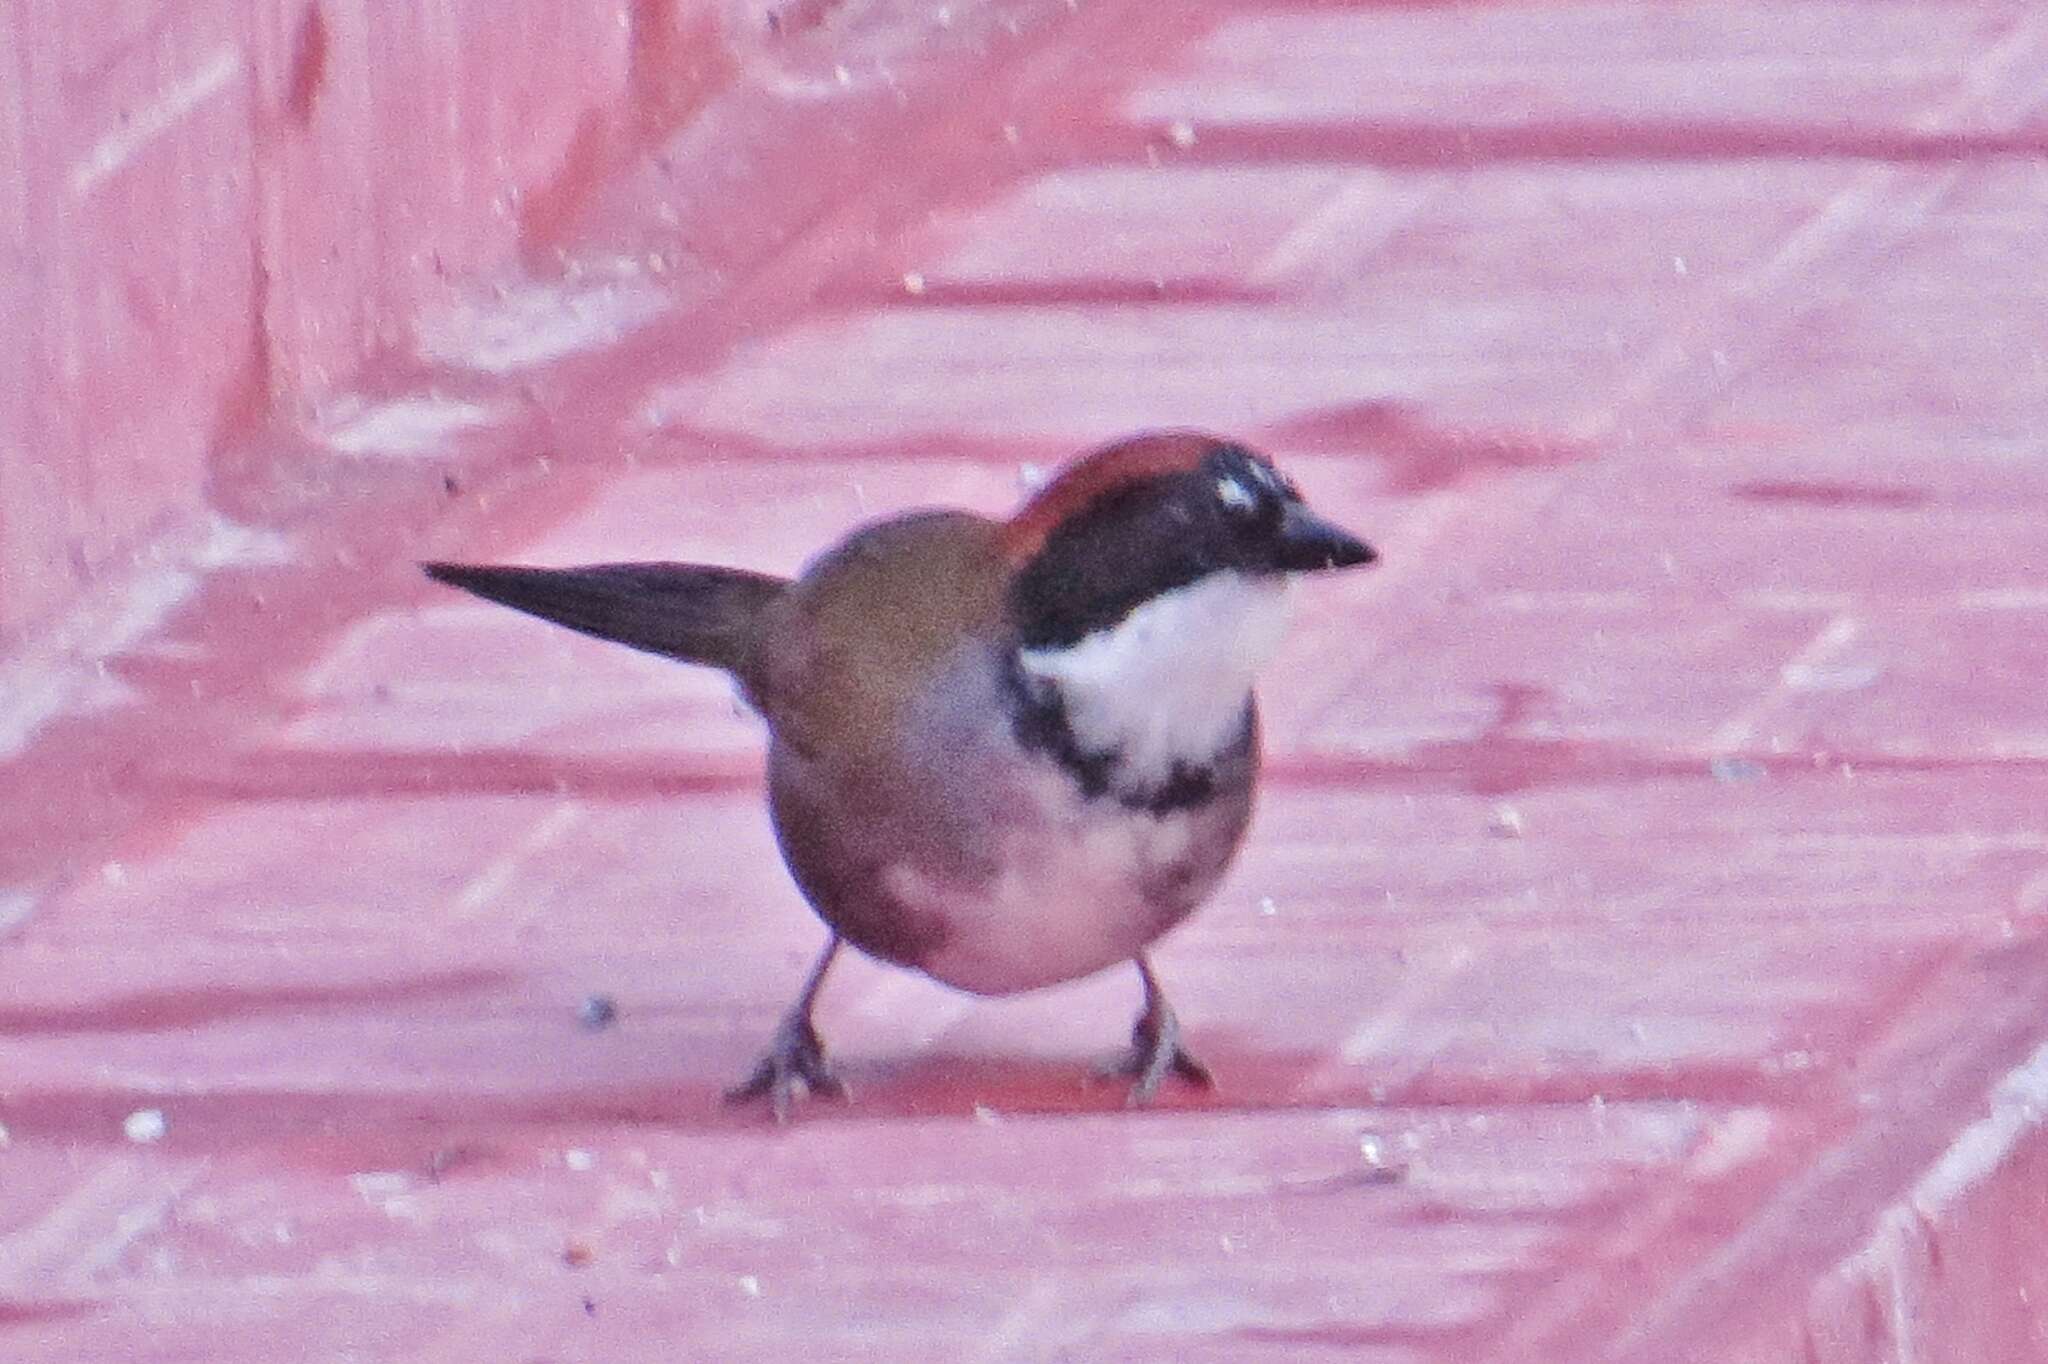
column 795, row 1056
column 1155, row 1046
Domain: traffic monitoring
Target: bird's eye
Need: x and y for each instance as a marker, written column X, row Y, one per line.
column 1234, row 495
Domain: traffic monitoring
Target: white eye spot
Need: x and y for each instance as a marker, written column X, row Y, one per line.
column 1235, row 495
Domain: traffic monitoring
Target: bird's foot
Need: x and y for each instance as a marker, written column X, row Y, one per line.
column 1155, row 1051
column 794, row 1062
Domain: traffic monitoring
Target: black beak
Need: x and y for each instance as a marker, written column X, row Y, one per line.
column 1305, row 543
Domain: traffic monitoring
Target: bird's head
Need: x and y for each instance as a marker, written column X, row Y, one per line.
column 1155, row 515
column 1149, row 584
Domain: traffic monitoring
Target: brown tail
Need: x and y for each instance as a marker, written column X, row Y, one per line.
column 693, row 612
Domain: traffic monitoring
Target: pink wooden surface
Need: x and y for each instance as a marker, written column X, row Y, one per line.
column 1640, row 953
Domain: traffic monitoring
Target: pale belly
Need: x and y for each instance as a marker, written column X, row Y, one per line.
column 1078, row 889
column 986, row 866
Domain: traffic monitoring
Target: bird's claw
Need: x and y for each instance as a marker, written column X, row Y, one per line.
column 1155, row 1050
column 795, row 1060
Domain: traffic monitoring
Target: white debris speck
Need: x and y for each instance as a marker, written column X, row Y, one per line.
column 145, row 1125
column 913, row 283
column 1678, row 267
column 1505, row 822
column 422, row 424
column 1378, row 1169
column 6, row 1137
column 579, row 1160
column 404, row 1208
column 750, row 1285
column 842, row 75
column 1267, row 909
column 1830, row 677
column 143, row 125
column 986, row 1116
column 1031, row 477
column 1181, row 134
column 230, row 544
column 114, row 874
column 523, row 325
column 375, row 1186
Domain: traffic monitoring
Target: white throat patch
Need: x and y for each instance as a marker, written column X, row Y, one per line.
column 1167, row 683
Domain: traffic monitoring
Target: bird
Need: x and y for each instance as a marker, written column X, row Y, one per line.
column 1005, row 753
